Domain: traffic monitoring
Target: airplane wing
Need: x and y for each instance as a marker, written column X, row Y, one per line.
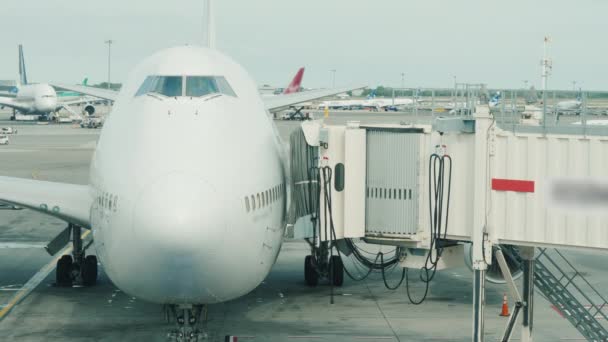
column 85, row 99
column 281, row 102
column 105, row 94
column 68, row 202
column 11, row 103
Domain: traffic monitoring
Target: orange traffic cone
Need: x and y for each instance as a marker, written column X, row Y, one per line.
column 505, row 307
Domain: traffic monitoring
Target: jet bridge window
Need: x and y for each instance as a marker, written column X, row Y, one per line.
column 197, row 86
column 164, row 85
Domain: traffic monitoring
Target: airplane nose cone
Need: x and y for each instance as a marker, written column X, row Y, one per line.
column 46, row 104
column 180, row 212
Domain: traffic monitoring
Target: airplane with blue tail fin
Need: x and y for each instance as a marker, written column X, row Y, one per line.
column 38, row 98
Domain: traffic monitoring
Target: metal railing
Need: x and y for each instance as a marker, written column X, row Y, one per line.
column 571, row 293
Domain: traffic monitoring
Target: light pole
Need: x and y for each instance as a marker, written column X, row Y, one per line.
column 573, row 85
column 402, row 82
column 109, row 42
column 333, row 80
column 525, row 84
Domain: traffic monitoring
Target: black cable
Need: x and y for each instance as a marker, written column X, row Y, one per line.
column 324, row 177
column 327, row 173
column 407, row 289
column 384, row 276
column 438, row 228
column 371, row 265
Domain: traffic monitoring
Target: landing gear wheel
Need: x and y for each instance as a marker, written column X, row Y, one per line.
column 337, row 270
column 89, row 271
column 63, row 272
column 310, row 273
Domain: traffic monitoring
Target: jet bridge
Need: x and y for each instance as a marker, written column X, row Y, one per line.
column 463, row 179
column 381, row 182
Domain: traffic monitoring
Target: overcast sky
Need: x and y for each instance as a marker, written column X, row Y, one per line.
column 368, row 42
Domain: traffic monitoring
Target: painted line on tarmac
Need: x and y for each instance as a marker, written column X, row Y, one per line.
column 308, row 337
column 35, row 280
column 14, row 151
column 14, row 287
column 20, row 245
column 374, row 337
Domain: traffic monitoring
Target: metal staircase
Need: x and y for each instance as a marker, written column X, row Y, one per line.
column 568, row 290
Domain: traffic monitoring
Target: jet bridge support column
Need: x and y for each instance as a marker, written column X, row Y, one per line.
column 479, row 303
column 527, row 253
column 483, row 121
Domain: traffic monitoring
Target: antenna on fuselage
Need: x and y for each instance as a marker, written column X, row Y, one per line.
column 209, row 24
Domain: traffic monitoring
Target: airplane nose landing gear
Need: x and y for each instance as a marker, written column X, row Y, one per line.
column 187, row 319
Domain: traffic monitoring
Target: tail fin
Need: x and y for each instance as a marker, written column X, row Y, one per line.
column 372, row 95
column 495, row 100
column 85, row 82
column 22, row 73
column 294, row 86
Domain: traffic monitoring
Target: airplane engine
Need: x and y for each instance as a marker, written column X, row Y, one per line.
column 89, row 109
column 493, row 273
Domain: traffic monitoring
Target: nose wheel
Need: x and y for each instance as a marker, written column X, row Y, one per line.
column 188, row 319
column 76, row 269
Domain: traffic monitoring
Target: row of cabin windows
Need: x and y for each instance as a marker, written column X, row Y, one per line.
column 265, row 198
column 107, row 201
column 384, row 193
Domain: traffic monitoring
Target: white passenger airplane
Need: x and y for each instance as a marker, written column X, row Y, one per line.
column 38, row 99
column 569, row 106
column 194, row 219
column 371, row 102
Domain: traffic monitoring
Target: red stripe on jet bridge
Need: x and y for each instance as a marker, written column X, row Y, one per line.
column 512, row 185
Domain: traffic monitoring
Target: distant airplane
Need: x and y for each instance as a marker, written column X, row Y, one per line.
column 570, row 106
column 374, row 102
column 72, row 94
column 37, row 99
column 495, row 100
column 371, row 102
column 343, row 96
column 295, row 84
column 293, row 87
column 191, row 219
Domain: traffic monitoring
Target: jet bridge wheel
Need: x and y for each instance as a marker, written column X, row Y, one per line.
column 310, row 273
column 337, row 268
column 63, row 272
column 89, row 271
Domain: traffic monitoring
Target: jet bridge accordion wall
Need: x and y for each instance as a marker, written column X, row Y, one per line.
column 383, row 180
column 392, row 187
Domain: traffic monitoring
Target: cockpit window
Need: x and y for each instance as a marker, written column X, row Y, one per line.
column 194, row 86
column 163, row 85
column 201, row 86
column 204, row 85
column 225, row 88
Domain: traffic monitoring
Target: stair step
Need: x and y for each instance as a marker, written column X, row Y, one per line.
column 565, row 301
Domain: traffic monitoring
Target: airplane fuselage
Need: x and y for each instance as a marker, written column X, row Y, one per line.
column 189, row 191
column 38, row 99
column 569, row 105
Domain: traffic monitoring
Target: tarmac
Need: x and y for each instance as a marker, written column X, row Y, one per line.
column 282, row 308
